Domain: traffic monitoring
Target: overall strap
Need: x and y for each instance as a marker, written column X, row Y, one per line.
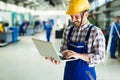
column 88, row 33
column 115, row 25
column 70, row 32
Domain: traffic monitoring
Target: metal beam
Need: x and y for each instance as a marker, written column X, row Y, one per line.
column 4, row 1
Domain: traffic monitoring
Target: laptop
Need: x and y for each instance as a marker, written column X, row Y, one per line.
column 47, row 49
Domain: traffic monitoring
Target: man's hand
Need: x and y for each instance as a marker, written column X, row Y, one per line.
column 53, row 60
column 70, row 54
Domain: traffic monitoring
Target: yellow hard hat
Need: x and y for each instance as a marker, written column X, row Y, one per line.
column 76, row 6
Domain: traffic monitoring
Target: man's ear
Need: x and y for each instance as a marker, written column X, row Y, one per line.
column 86, row 14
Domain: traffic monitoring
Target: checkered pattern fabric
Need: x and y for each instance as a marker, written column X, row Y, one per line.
column 96, row 42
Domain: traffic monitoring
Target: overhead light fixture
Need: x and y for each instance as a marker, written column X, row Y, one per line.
column 31, row 0
column 36, row 3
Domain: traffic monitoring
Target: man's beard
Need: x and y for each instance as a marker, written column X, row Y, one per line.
column 76, row 23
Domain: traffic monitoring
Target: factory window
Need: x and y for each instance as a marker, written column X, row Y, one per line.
column 101, row 2
column 93, row 6
column 108, row 0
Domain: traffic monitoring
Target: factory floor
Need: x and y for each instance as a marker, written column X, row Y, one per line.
column 21, row 61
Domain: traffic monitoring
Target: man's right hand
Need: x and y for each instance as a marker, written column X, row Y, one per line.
column 53, row 60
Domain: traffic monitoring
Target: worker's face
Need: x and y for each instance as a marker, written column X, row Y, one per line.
column 76, row 19
column 117, row 19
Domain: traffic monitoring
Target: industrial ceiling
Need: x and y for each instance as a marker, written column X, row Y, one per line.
column 41, row 4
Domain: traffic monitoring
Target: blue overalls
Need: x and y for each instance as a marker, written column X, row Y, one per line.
column 21, row 28
column 48, row 29
column 113, row 43
column 78, row 69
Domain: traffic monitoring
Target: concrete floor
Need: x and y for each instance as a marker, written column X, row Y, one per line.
column 21, row 61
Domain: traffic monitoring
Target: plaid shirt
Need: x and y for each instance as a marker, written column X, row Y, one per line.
column 96, row 42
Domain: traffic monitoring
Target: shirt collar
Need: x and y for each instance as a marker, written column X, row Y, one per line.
column 85, row 25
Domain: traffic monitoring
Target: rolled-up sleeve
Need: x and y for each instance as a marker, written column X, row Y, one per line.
column 98, row 48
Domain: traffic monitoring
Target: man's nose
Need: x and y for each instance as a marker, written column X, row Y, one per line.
column 73, row 19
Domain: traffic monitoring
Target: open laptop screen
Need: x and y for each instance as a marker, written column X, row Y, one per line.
column 46, row 49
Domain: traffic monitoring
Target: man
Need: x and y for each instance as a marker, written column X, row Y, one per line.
column 114, row 35
column 22, row 28
column 82, row 41
column 48, row 28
